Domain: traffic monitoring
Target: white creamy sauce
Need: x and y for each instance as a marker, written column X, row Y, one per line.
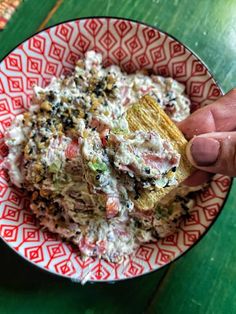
column 14, row 137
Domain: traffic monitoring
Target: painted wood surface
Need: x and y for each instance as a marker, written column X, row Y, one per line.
column 204, row 280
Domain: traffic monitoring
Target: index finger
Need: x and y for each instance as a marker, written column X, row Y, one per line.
column 218, row 116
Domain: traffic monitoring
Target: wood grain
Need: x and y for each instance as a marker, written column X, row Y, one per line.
column 203, row 281
column 50, row 14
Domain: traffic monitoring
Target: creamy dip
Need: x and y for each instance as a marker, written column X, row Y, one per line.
column 83, row 167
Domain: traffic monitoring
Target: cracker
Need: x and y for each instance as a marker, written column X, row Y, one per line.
column 147, row 115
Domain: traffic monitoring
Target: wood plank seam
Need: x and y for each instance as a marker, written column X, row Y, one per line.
column 50, row 14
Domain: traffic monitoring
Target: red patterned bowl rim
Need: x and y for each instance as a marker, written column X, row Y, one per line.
column 41, row 268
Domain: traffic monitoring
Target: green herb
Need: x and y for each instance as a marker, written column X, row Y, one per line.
column 97, row 166
column 79, row 71
column 55, row 166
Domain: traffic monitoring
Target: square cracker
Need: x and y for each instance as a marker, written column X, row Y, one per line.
column 147, row 115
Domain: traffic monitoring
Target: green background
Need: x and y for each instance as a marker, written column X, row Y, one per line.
column 204, row 280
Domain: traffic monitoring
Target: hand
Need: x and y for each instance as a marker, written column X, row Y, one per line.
column 212, row 134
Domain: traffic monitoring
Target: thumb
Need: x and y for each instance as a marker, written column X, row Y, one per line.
column 214, row 152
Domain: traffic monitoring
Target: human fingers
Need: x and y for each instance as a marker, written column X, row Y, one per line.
column 216, row 117
column 214, row 152
column 198, row 177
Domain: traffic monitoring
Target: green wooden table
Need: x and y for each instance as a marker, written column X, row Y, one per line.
column 204, row 280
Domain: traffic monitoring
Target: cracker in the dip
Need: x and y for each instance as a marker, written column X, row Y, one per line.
column 146, row 115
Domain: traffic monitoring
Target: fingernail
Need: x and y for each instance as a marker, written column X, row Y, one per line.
column 205, row 151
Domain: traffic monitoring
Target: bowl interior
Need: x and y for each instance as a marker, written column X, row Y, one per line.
column 53, row 52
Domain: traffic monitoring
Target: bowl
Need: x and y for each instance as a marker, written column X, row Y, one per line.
column 53, row 52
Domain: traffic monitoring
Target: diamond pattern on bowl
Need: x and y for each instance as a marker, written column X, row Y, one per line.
column 54, row 52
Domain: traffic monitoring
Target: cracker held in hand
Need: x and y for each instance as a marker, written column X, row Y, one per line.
column 148, row 116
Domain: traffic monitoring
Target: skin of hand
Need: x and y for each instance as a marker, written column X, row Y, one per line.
column 212, row 134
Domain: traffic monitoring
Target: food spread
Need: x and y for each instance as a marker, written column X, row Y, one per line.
column 74, row 152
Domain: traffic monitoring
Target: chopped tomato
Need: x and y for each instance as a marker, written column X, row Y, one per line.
column 124, row 91
column 95, row 123
column 112, row 206
column 126, row 101
column 86, row 247
column 174, row 160
column 101, row 246
column 121, row 232
column 128, row 168
column 124, row 95
column 153, row 161
column 145, row 90
column 124, row 168
column 103, row 136
column 72, row 150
